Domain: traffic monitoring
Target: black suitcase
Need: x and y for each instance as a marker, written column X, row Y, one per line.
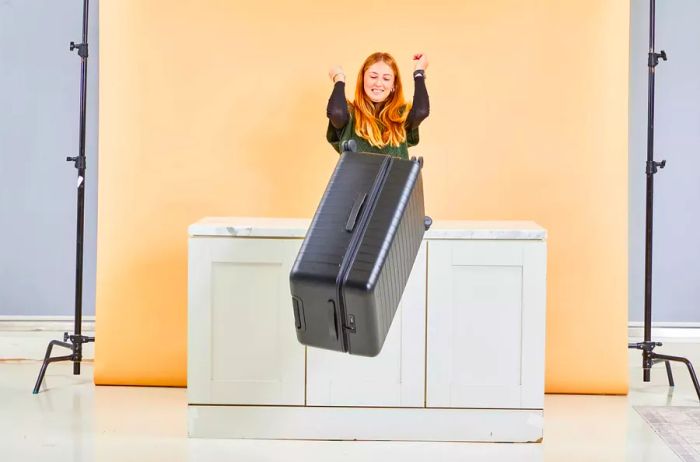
column 358, row 253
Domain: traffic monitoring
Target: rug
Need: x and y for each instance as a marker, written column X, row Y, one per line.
column 678, row 426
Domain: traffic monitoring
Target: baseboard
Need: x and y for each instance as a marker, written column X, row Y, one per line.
column 672, row 332
column 26, row 337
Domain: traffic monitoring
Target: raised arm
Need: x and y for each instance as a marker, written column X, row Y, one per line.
column 420, row 109
column 337, row 110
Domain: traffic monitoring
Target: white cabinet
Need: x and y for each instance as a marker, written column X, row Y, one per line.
column 395, row 377
column 463, row 360
column 486, row 324
column 242, row 343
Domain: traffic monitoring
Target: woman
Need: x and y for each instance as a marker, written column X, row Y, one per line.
column 379, row 120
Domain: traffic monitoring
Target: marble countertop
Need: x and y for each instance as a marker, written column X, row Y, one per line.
column 296, row 228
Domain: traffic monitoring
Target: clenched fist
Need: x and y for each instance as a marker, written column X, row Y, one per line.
column 420, row 61
column 337, row 74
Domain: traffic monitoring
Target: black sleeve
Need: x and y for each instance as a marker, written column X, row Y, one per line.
column 421, row 105
column 337, row 110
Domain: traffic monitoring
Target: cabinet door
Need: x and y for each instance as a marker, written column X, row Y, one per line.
column 395, row 377
column 486, row 324
column 242, row 342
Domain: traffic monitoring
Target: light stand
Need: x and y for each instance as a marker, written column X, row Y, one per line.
column 649, row 357
column 75, row 342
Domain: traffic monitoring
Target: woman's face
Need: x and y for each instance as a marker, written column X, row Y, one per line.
column 379, row 81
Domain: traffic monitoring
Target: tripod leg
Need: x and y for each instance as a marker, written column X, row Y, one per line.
column 685, row 361
column 48, row 359
column 694, row 377
column 670, row 374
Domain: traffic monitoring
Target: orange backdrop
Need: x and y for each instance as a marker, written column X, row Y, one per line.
column 217, row 108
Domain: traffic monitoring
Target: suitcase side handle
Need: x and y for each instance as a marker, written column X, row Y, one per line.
column 355, row 212
column 419, row 160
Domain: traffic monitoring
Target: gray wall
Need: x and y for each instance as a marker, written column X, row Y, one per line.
column 39, row 84
column 39, row 101
column 676, row 287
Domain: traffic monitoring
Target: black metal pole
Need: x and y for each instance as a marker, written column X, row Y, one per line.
column 79, row 161
column 646, row 359
column 78, row 346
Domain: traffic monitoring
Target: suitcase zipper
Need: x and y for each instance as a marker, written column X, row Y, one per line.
column 353, row 248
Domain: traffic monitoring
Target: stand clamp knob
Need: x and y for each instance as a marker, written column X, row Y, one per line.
column 82, row 49
column 78, row 160
column 653, row 166
column 654, row 58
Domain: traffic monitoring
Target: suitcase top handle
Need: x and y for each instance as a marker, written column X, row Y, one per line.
column 349, row 145
column 355, row 212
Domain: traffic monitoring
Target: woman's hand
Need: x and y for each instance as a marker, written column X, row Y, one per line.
column 420, row 61
column 337, row 74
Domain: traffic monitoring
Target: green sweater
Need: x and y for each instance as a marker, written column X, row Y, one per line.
column 336, row 136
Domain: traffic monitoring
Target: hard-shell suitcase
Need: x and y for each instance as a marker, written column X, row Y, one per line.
column 352, row 268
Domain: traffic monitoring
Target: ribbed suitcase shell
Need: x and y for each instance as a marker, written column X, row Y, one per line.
column 346, row 285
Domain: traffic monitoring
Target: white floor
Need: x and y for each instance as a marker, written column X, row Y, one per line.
column 72, row 420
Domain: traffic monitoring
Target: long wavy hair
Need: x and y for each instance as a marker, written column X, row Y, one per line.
column 382, row 123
